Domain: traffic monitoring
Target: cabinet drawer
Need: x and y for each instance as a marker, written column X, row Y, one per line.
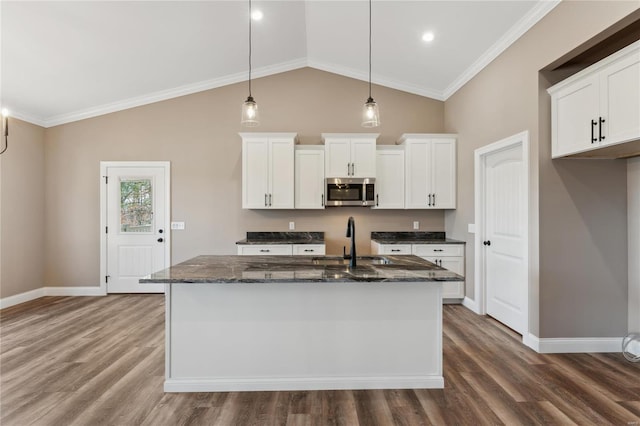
column 439, row 250
column 265, row 250
column 394, row 248
column 309, row 249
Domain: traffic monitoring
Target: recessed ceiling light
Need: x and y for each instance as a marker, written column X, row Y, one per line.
column 256, row 15
column 428, row 36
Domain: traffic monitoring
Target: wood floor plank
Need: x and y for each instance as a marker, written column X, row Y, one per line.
column 77, row 361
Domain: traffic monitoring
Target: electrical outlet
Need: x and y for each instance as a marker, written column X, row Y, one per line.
column 416, row 225
column 177, row 225
column 292, row 226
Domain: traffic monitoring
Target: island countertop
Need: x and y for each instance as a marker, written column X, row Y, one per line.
column 266, row 269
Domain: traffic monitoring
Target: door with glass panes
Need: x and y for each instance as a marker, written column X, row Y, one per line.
column 137, row 231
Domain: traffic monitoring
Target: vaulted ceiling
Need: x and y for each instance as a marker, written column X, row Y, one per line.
column 64, row 61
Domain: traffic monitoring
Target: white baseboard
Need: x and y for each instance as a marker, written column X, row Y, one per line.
column 50, row 291
column 301, row 384
column 471, row 304
column 6, row 302
column 573, row 344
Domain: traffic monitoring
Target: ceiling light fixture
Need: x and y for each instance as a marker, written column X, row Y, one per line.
column 5, row 129
column 250, row 117
column 257, row 15
column 428, row 36
column 370, row 113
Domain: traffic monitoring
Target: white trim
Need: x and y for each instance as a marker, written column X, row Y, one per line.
column 74, row 291
column 521, row 139
column 538, row 12
column 576, row 344
column 471, row 305
column 163, row 95
column 304, row 383
column 104, row 165
column 27, row 296
column 50, row 291
column 375, row 79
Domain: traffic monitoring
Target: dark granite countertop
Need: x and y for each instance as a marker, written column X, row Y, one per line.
column 413, row 238
column 266, row 269
column 283, row 238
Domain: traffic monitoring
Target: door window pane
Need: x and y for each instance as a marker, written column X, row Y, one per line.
column 136, row 205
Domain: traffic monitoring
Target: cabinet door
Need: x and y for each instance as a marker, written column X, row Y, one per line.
column 573, row 109
column 255, row 171
column 309, row 249
column 281, row 173
column 265, row 250
column 620, row 100
column 451, row 289
column 443, row 174
column 389, row 179
column 337, row 156
column 363, row 158
column 309, row 182
column 417, row 174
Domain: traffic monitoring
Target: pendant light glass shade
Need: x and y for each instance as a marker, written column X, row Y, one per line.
column 250, row 116
column 370, row 114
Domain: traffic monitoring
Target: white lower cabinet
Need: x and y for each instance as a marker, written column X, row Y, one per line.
column 281, row 249
column 448, row 256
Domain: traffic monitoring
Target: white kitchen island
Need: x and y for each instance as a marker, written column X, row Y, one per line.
column 235, row 323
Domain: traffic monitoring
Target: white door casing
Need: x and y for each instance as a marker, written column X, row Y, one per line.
column 501, row 204
column 134, row 243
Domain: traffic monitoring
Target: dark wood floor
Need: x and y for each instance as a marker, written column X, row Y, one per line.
column 100, row 361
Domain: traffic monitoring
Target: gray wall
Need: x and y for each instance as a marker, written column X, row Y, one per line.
column 577, row 208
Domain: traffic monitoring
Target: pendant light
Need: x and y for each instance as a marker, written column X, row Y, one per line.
column 250, row 117
column 5, row 130
column 370, row 113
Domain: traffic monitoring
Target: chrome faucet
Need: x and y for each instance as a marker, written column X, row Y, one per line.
column 351, row 233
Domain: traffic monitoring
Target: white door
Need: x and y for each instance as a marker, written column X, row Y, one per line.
column 575, row 117
column 337, row 157
column 443, row 181
column 505, row 237
column 390, row 179
column 309, row 181
column 363, row 158
column 418, row 174
column 137, row 231
column 620, row 101
column 281, row 174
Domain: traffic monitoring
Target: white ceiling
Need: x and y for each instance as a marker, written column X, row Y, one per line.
column 64, row 61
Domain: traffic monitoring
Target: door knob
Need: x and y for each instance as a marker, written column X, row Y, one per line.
column 160, row 239
column 160, row 231
column 486, row 243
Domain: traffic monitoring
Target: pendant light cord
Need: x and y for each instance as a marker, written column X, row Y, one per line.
column 369, row 49
column 249, row 48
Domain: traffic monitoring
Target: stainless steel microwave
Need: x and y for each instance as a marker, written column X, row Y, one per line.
column 350, row 192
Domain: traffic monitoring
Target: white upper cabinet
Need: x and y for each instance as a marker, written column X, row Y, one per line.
column 389, row 177
column 350, row 154
column 430, row 171
column 268, row 170
column 309, row 181
column 599, row 106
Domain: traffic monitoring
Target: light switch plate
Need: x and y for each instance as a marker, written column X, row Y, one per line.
column 416, row 225
column 177, row 226
column 292, row 226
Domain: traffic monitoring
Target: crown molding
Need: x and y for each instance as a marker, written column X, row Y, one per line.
column 538, row 12
column 38, row 121
column 175, row 92
column 379, row 80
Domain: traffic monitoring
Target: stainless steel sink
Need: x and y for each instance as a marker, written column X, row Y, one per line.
column 362, row 260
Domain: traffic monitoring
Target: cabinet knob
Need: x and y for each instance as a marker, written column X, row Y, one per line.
column 593, row 124
column 600, row 137
column 264, row 250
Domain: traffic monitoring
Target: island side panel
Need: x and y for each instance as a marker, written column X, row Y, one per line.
column 301, row 336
